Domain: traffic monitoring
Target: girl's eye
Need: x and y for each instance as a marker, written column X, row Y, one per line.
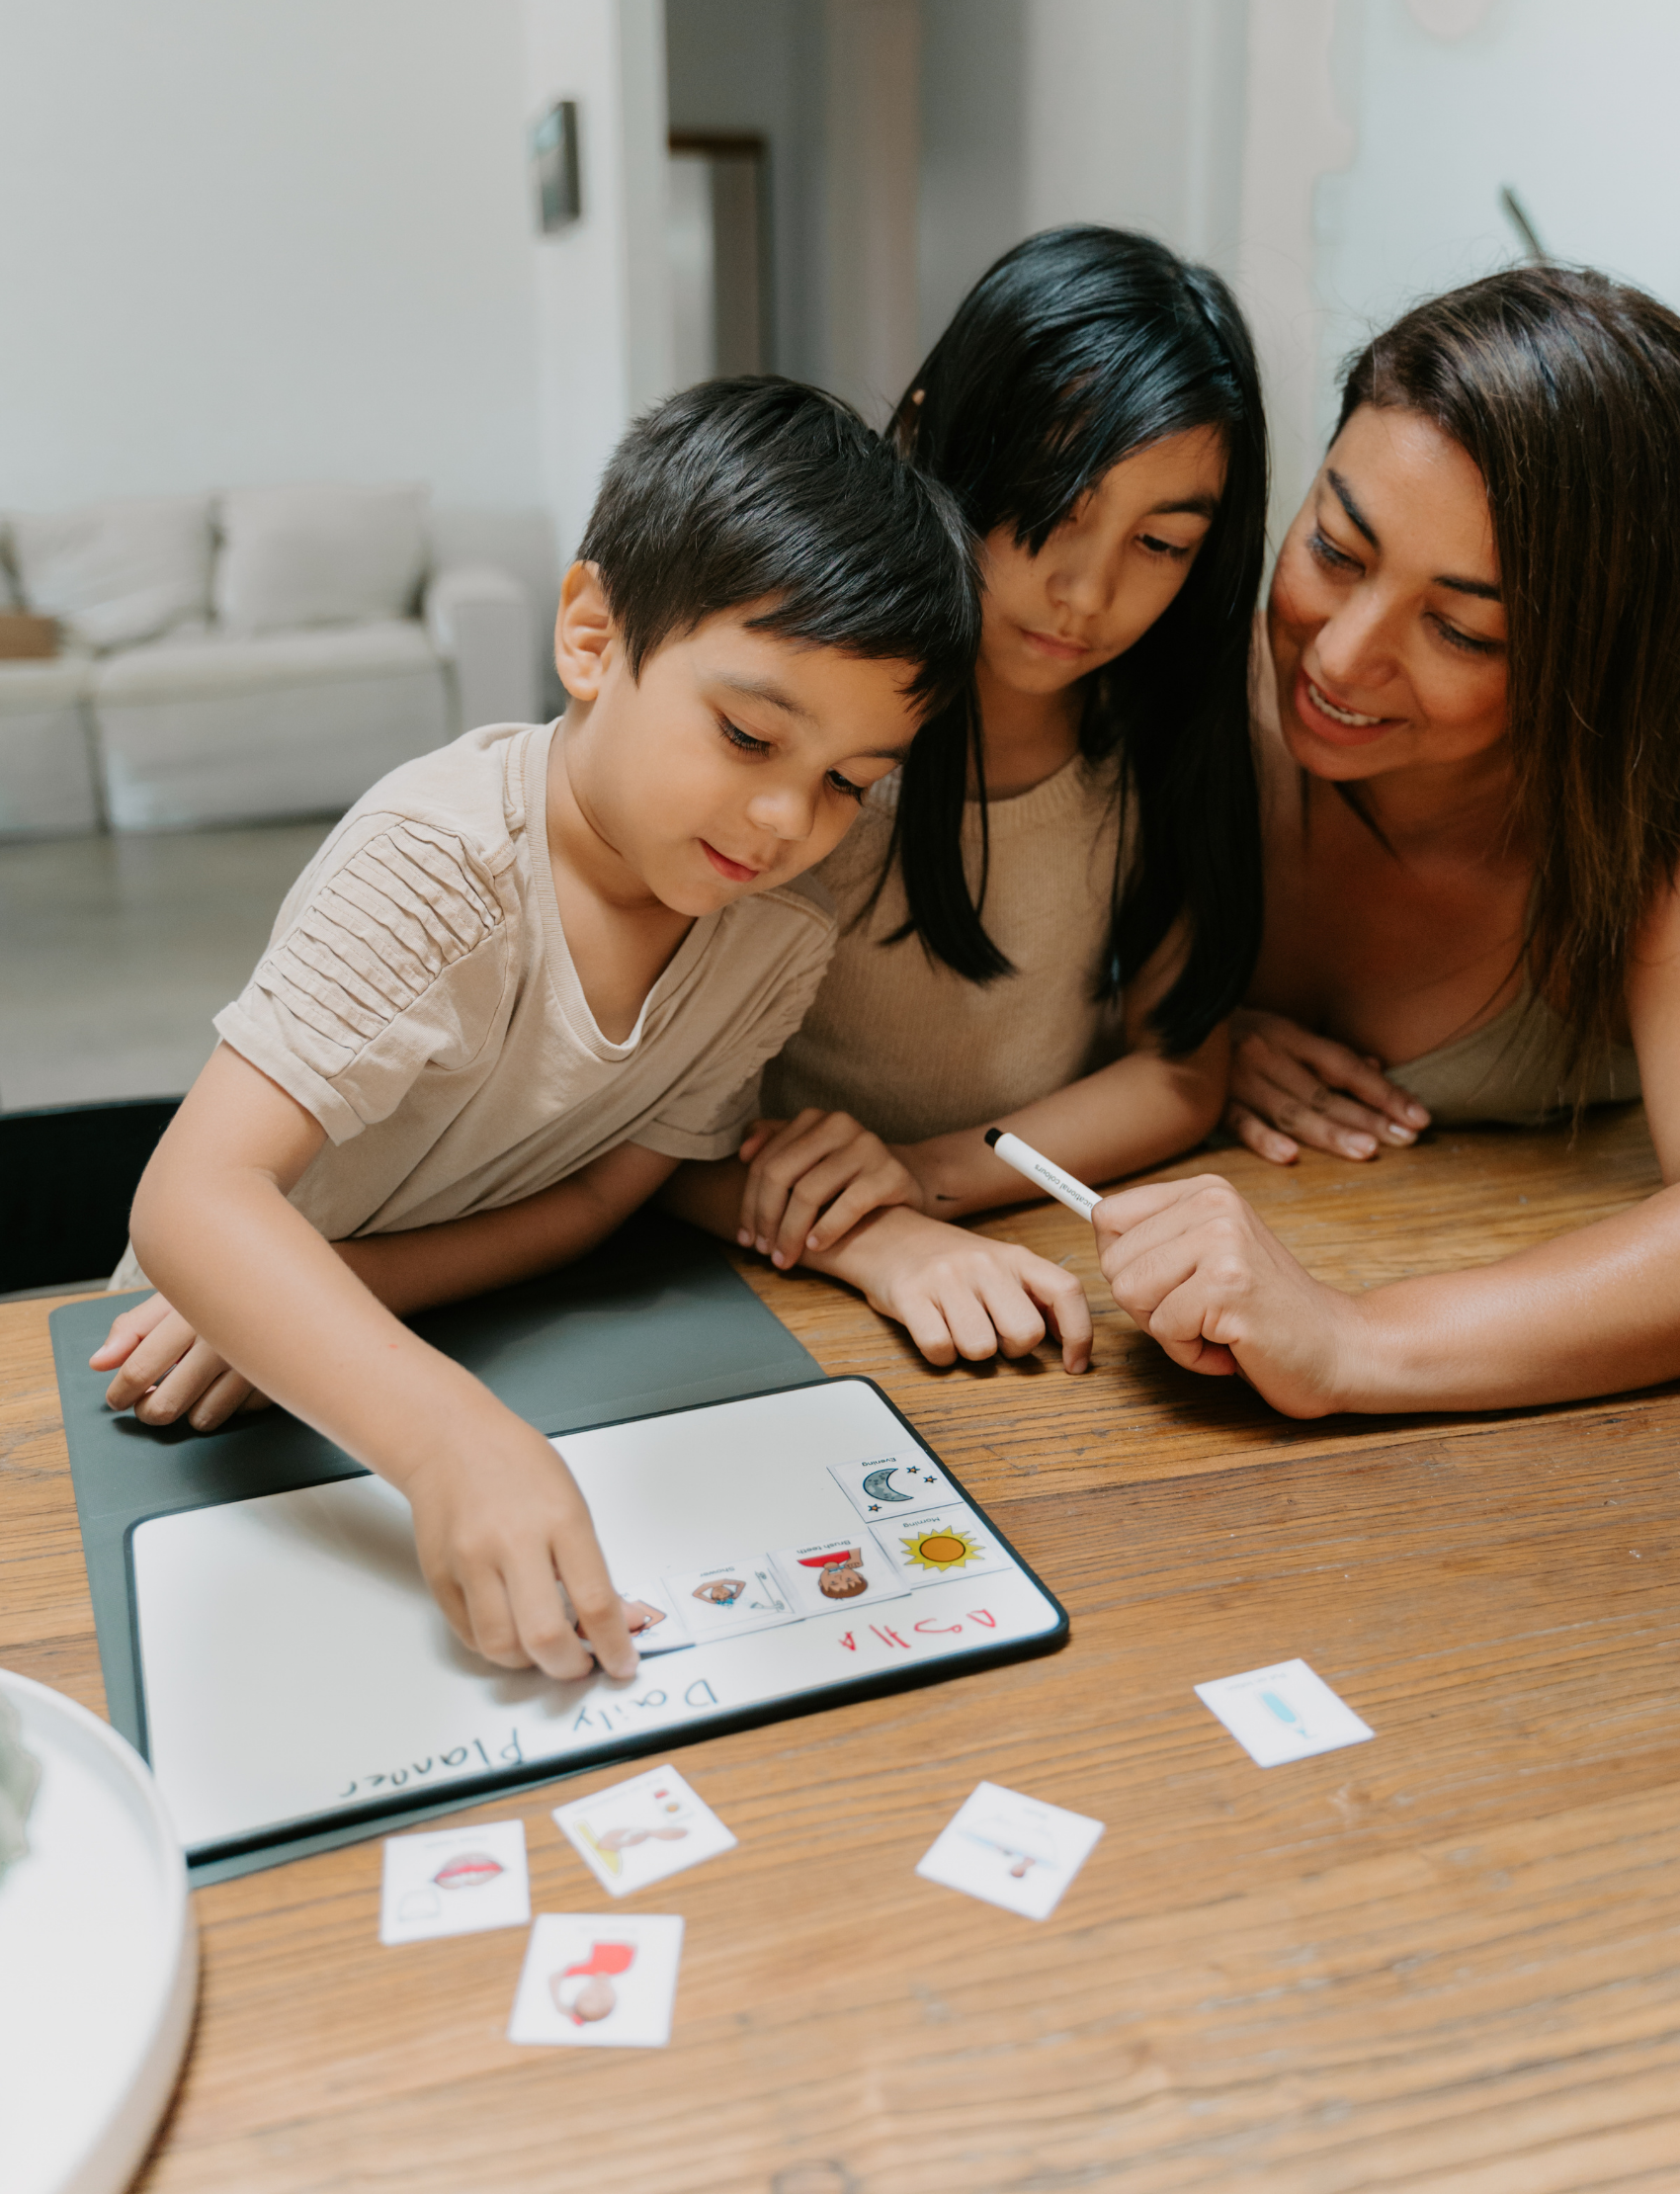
column 1176, row 549
column 1329, row 554
column 845, row 785
column 1467, row 642
column 743, row 740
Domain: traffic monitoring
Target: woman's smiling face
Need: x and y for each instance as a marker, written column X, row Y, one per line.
column 1387, row 627
column 1109, row 569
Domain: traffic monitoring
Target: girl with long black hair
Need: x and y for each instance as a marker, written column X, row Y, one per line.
column 1049, row 915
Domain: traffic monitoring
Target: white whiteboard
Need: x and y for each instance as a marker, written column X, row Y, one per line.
column 294, row 1668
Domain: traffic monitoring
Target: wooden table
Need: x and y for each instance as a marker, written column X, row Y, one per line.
column 1448, row 1960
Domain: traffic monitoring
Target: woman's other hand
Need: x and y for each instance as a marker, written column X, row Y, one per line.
column 812, row 1178
column 1289, row 1088
column 164, row 1371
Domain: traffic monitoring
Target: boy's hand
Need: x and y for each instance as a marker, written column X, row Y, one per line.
column 166, row 1370
column 811, row 1179
column 959, row 1294
column 508, row 1548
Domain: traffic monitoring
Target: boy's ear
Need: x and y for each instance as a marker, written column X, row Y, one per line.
column 584, row 633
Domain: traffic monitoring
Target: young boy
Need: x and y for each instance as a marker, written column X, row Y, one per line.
column 531, row 973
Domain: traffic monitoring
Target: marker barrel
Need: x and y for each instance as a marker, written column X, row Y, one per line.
column 1035, row 1166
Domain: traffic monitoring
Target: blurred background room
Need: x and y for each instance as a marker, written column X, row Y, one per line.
column 319, row 317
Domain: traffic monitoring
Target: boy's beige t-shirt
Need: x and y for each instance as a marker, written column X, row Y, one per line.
column 417, row 997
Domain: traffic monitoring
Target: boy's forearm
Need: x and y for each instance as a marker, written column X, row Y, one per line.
column 1136, row 1113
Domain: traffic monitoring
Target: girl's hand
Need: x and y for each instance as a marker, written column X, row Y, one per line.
column 959, row 1294
column 1289, row 1088
column 507, row 1547
column 1191, row 1263
column 811, row 1179
column 166, row 1370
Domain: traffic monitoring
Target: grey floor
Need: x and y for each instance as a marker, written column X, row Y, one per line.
column 115, row 952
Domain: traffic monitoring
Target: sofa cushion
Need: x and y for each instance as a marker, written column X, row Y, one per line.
column 113, row 573
column 216, row 661
column 319, row 555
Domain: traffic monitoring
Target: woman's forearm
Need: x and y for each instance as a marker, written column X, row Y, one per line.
column 1137, row 1112
column 1592, row 1313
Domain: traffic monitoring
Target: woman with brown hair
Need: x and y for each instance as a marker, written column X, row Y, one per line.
column 1471, row 742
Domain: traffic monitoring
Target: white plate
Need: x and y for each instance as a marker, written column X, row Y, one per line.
column 99, row 1959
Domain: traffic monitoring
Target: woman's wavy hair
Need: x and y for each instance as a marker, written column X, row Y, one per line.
column 1563, row 387
column 1078, row 348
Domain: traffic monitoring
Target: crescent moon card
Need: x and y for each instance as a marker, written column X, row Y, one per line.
column 883, row 1487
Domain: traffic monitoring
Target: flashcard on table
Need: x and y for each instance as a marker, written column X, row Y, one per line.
column 886, row 1487
column 950, row 1542
column 1010, row 1850
column 832, row 1574
column 639, row 1832
column 730, row 1598
column 454, row 1882
column 662, row 1629
column 1283, row 1713
column 599, row 1980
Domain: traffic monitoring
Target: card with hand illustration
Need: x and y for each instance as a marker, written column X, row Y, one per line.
column 599, row 1980
column 950, row 1542
column 883, row 1487
column 1011, row 1851
column 657, row 1621
column 834, row 1573
column 730, row 1598
column 454, row 1882
column 639, row 1832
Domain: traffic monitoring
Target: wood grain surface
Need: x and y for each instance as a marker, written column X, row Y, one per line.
column 1445, row 1961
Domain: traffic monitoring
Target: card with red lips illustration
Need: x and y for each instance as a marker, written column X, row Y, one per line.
column 454, row 1882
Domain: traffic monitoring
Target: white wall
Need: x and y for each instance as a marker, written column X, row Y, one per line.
column 246, row 241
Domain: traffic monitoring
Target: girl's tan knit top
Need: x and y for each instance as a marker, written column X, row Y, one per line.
column 911, row 1048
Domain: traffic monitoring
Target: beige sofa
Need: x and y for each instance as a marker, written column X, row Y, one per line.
column 264, row 653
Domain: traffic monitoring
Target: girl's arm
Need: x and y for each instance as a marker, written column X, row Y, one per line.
column 503, row 1534
column 1593, row 1312
column 811, row 1182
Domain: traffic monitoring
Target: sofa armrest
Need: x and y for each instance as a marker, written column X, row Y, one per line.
column 478, row 620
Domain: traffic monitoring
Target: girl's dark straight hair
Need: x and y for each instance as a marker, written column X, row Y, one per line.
column 1078, row 348
column 1563, row 387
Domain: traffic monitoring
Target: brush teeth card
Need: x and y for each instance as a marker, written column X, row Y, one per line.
column 1283, row 1713
column 730, row 1598
column 1011, row 1851
column 454, row 1882
column 599, row 1980
column 835, row 1574
column 886, row 1486
column 950, row 1542
column 656, row 1622
column 637, row 1832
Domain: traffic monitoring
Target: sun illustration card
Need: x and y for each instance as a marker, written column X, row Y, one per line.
column 599, row 1980
column 454, row 1882
column 732, row 1597
column 951, row 1543
column 1011, row 1851
column 885, row 1487
column 637, row 1832
column 657, row 1621
column 835, row 1574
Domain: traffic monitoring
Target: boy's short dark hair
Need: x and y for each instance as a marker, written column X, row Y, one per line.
column 764, row 490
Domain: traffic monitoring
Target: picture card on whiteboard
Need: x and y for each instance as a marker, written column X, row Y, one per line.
column 951, row 1541
column 599, row 1980
column 730, row 1598
column 454, row 1882
column 832, row 1574
column 637, row 1832
column 1283, row 1713
column 1011, row 1851
column 656, row 1620
column 894, row 1486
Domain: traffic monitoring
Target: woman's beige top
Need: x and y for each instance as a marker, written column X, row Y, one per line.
column 904, row 1044
column 1512, row 1071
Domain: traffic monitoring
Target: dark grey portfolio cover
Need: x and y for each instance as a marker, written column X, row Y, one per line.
column 654, row 1320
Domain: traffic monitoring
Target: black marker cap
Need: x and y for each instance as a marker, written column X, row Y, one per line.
column 992, row 1135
